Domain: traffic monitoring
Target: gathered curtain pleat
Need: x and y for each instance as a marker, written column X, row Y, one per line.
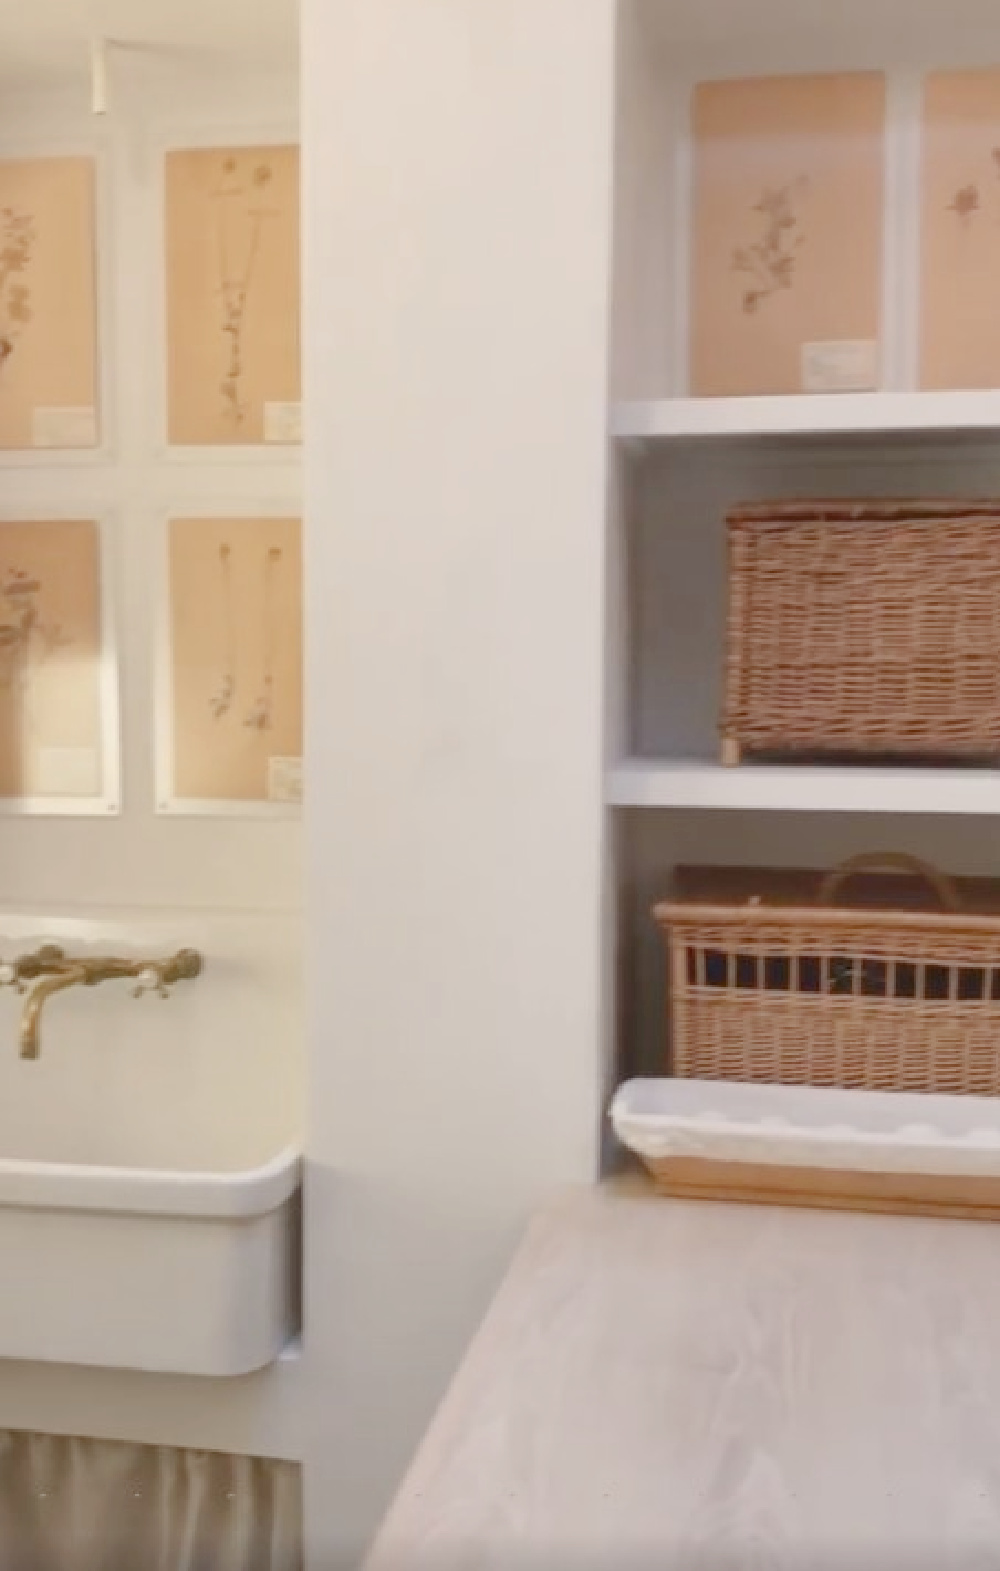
column 69, row 1504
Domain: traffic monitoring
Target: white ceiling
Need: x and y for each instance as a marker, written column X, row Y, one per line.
column 47, row 42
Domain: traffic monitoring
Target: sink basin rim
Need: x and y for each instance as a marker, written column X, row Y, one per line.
column 71, row 1186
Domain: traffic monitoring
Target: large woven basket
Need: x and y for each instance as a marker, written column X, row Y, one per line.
column 863, row 627
column 773, row 977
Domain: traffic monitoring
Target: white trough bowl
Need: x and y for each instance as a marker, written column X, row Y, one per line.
column 131, row 1268
column 149, row 1157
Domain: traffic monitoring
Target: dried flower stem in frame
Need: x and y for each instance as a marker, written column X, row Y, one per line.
column 26, row 639
column 17, row 237
column 770, row 260
column 234, row 283
column 222, row 699
column 965, row 203
column 261, row 716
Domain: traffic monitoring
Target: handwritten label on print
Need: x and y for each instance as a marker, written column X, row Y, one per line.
column 283, row 422
column 849, row 366
column 284, row 779
column 68, row 771
column 64, row 427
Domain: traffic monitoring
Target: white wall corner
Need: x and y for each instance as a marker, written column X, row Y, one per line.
column 457, row 255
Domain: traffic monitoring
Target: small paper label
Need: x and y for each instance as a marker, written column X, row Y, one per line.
column 284, row 779
column 841, row 366
column 283, row 423
column 67, row 771
column 64, row 427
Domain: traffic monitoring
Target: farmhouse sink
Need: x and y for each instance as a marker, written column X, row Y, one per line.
column 149, row 1155
column 181, row 1272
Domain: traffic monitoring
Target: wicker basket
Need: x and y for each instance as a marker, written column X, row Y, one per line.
column 772, row 977
column 863, row 627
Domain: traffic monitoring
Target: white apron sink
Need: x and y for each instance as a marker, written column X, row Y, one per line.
column 132, row 1268
column 149, row 1155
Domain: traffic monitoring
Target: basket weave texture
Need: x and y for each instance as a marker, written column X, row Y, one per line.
column 864, row 627
column 770, row 981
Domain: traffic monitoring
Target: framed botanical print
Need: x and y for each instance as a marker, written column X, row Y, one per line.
column 48, row 304
column 58, row 679
column 786, row 234
column 959, row 326
column 232, row 284
column 231, row 728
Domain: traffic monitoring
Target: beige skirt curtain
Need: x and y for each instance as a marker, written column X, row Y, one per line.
column 95, row 1505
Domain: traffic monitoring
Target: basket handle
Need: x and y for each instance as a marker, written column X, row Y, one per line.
column 894, row 862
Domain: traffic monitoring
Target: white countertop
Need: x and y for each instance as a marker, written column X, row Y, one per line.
column 719, row 1385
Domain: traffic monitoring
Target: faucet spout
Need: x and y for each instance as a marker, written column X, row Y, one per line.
column 38, row 994
column 51, row 971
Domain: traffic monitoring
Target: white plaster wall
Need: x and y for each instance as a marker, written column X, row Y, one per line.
column 457, row 240
column 232, row 884
column 137, row 859
column 457, row 235
column 223, row 1060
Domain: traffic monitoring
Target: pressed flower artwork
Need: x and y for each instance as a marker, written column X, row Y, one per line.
column 232, row 263
column 767, row 262
column 775, row 271
column 48, row 313
column 18, row 238
column 235, row 622
column 51, row 721
column 960, row 230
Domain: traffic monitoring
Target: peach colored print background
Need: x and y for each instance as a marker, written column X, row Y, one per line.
column 54, row 361
column 61, row 706
column 223, row 759
column 754, row 135
column 197, row 348
column 960, row 258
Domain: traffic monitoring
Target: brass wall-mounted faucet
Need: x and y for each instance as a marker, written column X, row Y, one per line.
column 50, row 970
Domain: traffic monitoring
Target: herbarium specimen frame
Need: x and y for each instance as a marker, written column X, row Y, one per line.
column 230, row 732
column 48, row 303
column 959, row 327
column 59, row 750
column 232, row 295
column 777, row 277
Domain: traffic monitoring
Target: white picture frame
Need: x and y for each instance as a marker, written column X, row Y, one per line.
column 95, row 147
column 168, row 801
column 164, row 139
